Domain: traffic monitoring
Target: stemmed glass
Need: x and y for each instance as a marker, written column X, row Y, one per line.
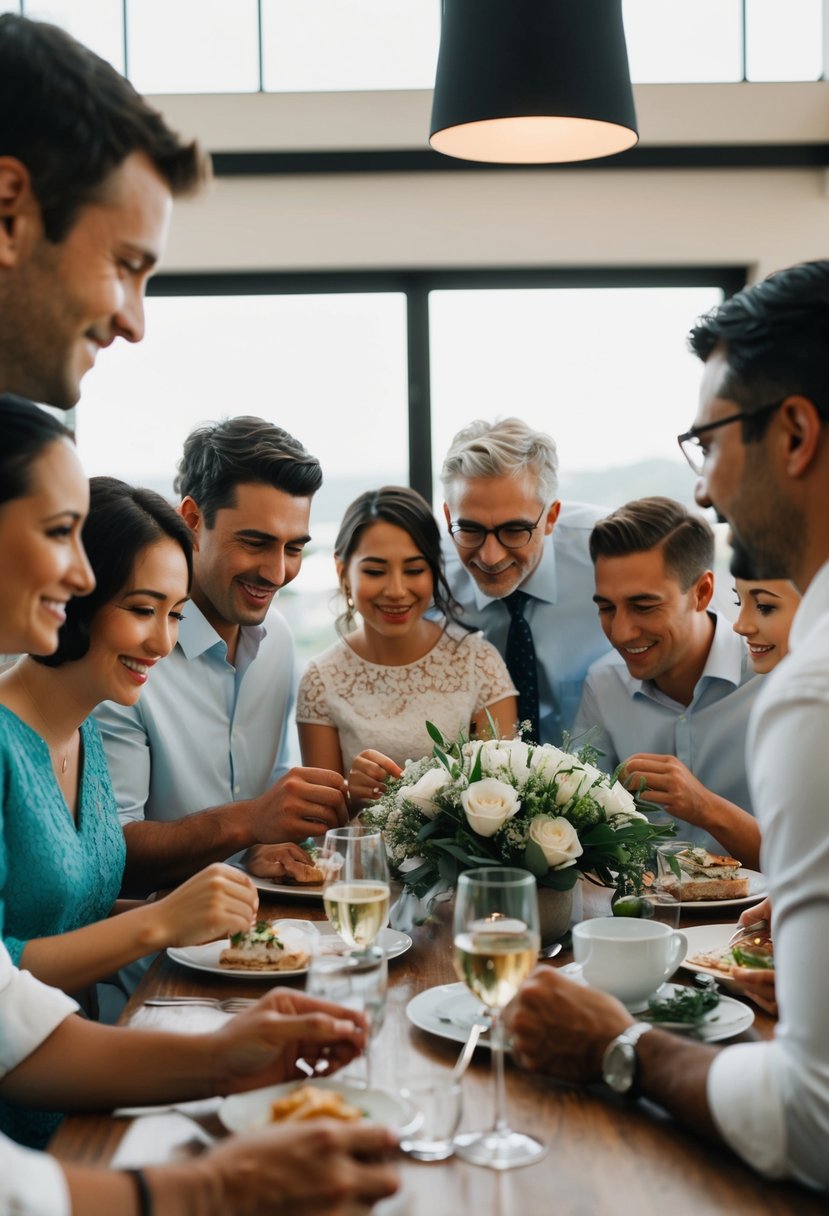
column 496, row 947
column 355, row 888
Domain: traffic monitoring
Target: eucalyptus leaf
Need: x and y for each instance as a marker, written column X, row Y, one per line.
column 534, row 859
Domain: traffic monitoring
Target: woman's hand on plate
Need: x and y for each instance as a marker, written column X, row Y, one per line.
column 216, row 902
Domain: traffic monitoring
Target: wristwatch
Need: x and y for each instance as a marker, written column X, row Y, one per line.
column 619, row 1060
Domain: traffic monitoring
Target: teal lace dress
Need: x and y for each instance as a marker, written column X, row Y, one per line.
column 55, row 875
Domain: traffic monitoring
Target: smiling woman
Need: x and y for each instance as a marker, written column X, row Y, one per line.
column 62, row 849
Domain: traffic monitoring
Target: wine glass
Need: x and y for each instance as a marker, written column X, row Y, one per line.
column 496, row 946
column 358, row 980
column 355, row 888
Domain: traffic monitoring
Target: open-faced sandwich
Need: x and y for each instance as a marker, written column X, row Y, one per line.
column 749, row 952
column 311, row 1102
column 266, row 947
column 705, row 875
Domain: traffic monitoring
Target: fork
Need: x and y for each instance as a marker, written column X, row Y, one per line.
column 233, row 1004
column 756, row 926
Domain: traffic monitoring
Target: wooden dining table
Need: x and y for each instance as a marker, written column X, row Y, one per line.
column 607, row 1156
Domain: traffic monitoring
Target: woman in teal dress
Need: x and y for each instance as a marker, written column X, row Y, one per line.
column 62, row 849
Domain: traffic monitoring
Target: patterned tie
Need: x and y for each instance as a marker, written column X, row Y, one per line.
column 520, row 659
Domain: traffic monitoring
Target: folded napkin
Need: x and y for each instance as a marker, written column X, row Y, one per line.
column 158, row 1140
column 184, row 1019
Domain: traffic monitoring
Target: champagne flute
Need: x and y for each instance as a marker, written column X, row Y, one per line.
column 496, row 946
column 355, row 888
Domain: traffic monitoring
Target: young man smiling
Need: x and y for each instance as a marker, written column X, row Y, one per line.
column 673, row 698
column 519, row 553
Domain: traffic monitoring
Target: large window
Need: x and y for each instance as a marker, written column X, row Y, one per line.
column 219, row 46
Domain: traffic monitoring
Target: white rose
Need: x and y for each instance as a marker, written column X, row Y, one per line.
column 546, row 760
column 509, row 754
column 422, row 793
column 557, row 839
column 569, row 784
column 488, row 804
column 616, row 802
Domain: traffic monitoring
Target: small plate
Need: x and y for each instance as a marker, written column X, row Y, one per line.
column 447, row 1010
column 206, row 958
column 728, row 1019
column 757, row 890
column 249, row 1111
column 291, row 889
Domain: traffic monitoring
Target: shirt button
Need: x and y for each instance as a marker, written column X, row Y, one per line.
column 236, row 789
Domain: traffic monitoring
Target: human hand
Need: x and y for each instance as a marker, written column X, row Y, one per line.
column 761, row 911
column 758, row 984
column 216, row 902
column 261, row 1046
column 305, row 802
column 668, row 782
column 562, row 1028
column 369, row 773
column 277, row 1170
column 281, row 861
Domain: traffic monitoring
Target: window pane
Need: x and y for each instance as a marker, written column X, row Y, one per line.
column 99, row 24
column 605, row 371
column 320, row 45
column 10, row 6
column 784, row 41
column 193, row 46
column 329, row 369
column 673, row 40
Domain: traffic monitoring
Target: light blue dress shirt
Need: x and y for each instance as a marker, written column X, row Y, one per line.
column 560, row 612
column 624, row 716
column 204, row 733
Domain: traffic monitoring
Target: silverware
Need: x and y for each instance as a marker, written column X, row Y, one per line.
column 233, row 1004
column 742, row 931
column 475, row 1031
column 549, row 951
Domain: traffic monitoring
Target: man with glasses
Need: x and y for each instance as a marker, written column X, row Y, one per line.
column 519, row 566
column 763, row 431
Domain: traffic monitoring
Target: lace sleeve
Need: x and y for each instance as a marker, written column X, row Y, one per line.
column 492, row 678
column 311, row 701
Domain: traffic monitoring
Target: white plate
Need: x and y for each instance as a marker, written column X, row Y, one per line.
column 757, row 884
column 248, row 1111
column 728, row 1019
column 702, row 939
column 206, row 958
column 447, row 1010
column 312, row 891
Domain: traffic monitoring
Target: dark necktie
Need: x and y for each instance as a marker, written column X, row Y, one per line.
column 520, row 659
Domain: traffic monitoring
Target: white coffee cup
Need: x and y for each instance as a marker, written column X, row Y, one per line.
column 626, row 957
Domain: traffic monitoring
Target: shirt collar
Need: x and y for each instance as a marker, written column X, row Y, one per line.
column 542, row 584
column 196, row 635
column 725, row 661
column 811, row 608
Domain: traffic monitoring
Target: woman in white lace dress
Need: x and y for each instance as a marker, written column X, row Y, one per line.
column 363, row 703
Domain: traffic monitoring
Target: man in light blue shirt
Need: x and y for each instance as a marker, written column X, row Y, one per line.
column 509, row 534
column 672, row 700
column 196, row 762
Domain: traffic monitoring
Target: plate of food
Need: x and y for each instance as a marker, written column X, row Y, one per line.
column 709, row 953
column 297, row 1101
column 708, row 880
column 708, row 1016
column 448, row 1010
column 255, row 955
column 307, row 884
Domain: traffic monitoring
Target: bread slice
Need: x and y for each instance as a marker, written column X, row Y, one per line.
column 706, row 876
column 266, row 948
column 311, row 1102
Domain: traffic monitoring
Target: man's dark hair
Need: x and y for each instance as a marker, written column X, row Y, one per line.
column 775, row 335
column 25, row 432
column 71, row 119
column 220, row 456
column 686, row 539
column 123, row 521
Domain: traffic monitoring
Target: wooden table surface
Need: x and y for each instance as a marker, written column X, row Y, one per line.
column 606, row 1155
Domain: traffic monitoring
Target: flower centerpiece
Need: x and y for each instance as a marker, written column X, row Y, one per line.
column 512, row 803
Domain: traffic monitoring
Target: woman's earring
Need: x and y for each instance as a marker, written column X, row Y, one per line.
column 349, row 607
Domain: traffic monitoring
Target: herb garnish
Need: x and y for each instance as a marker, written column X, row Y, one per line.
column 686, row 1005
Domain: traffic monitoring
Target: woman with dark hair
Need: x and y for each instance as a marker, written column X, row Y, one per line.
column 61, row 844
column 363, row 704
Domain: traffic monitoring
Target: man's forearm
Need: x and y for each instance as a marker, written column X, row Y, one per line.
column 164, row 854
column 674, row 1072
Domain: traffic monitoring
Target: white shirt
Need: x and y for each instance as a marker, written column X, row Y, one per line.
column 770, row 1101
column 31, row 1184
column 204, row 733
column 560, row 613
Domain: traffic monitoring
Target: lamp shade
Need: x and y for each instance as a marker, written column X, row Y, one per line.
column 532, row 81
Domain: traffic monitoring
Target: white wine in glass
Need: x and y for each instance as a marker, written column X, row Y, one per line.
column 497, row 940
column 356, row 885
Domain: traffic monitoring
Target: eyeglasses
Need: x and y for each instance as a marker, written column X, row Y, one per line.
column 512, row 535
column 692, row 448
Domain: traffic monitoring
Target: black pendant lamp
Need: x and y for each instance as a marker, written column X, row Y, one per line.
column 532, row 81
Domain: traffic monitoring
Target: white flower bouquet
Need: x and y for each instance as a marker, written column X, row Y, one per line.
column 506, row 802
